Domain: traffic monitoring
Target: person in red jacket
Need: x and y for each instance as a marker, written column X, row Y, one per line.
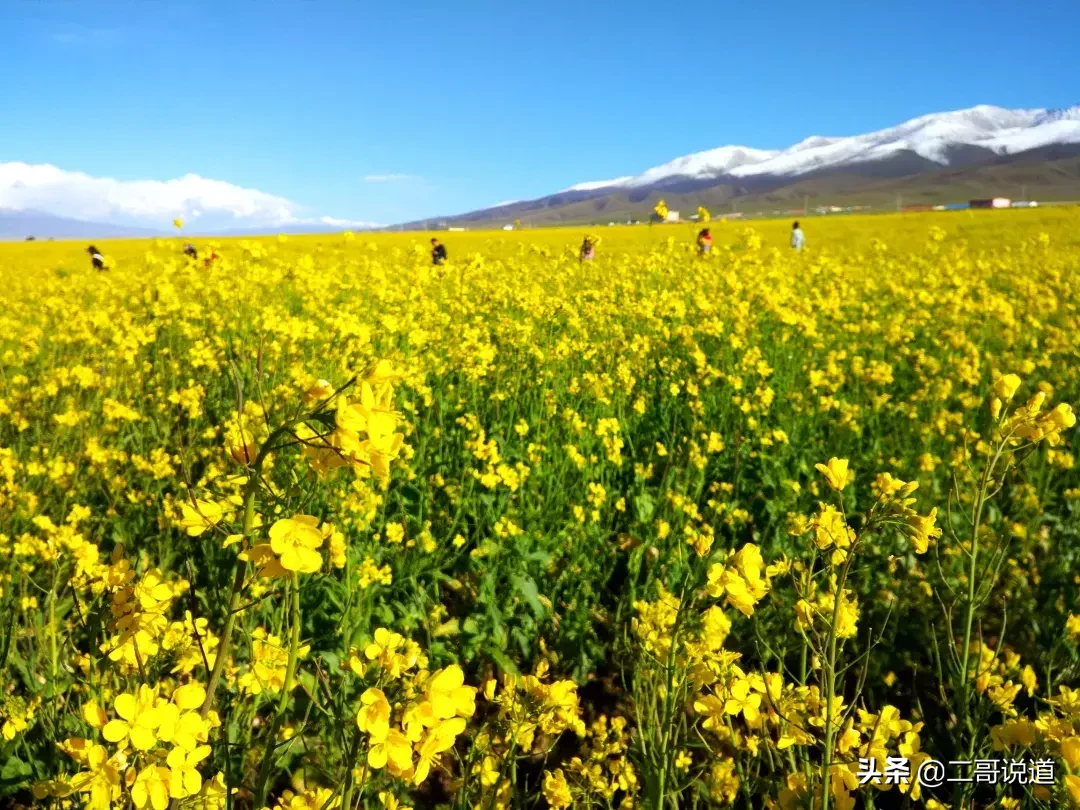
column 704, row 242
column 588, row 251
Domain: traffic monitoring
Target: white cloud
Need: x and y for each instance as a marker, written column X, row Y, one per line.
column 208, row 204
column 387, row 178
column 85, row 37
column 347, row 223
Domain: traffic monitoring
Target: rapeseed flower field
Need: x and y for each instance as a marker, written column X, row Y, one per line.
column 319, row 525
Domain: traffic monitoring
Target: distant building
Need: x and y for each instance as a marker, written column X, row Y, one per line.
column 455, row 229
column 994, row 202
column 508, row 227
column 672, row 216
column 1024, row 204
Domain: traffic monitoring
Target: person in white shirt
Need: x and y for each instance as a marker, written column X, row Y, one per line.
column 97, row 261
column 797, row 238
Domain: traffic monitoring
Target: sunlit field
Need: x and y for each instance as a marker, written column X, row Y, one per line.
column 321, row 525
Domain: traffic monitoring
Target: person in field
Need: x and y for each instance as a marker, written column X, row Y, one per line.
column 798, row 240
column 588, row 251
column 438, row 251
column 190, row 252
column 704, row 242
column 97, row 261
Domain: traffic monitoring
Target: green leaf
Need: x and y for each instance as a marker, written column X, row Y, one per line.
column 327, row 418
column 524, row 643
column 525, row 586
column 57, row 687
column 644, row 507
column 307, row 680
column 15, row 771
column 332, row 659
column 501, row 661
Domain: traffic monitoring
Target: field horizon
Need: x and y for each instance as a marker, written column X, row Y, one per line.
column 321, row 524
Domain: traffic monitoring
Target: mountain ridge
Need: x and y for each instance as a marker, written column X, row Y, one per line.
column 967, row 141
column 997, row 129
column 23, row 223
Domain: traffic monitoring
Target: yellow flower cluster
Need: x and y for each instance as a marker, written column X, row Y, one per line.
column 411, row 744
column 569, row 483
column 159, row 743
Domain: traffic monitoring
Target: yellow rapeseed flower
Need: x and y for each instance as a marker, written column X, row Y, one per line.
column 295, row 541
column 836, row 472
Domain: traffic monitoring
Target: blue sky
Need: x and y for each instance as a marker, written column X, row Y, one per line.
column 392, row 111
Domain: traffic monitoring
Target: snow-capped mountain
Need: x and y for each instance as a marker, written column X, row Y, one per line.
column 935, row 138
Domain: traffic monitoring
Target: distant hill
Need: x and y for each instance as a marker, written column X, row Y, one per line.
column 274, row 230
column 944, row 157
column 1048, row 181
column 20, row 224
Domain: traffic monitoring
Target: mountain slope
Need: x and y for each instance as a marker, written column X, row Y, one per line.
column 24, row 223
column 20, row 224
column 1046, row 180
column 941, row 138
column 942, row 149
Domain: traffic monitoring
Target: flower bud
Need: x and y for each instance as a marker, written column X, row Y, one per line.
column 1062, row 416
column 244, row 453
column 1006, row 385
column 320, row 390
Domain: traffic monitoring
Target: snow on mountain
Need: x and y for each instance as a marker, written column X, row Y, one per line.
column 1000, row 130
column 1064, row 114
column 618, row 181
column 713, row 162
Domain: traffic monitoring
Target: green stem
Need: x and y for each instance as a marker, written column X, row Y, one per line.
column 969, row 618
column 354, row 750
column 830, row 684
column 286, row 691
column 980, row 502
column 234, row 597
column 53, row 657
column 250, row 490
column 666, row 732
